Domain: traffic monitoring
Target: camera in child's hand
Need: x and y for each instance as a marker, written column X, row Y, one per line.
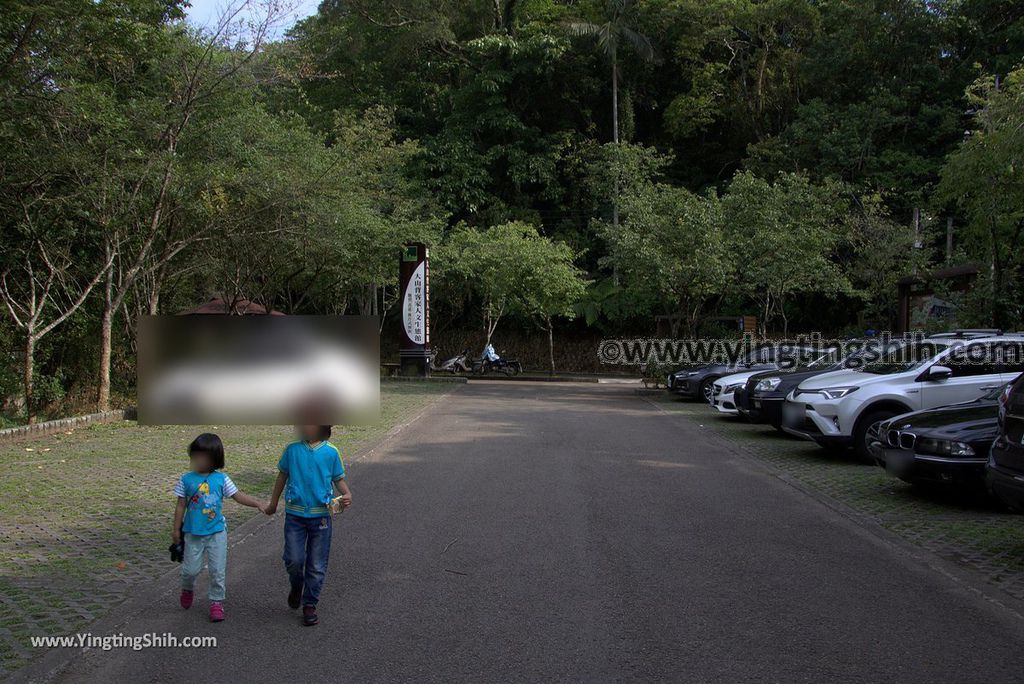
column 177, row 552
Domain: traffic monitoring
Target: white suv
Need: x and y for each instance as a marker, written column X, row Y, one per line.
column 842, row 408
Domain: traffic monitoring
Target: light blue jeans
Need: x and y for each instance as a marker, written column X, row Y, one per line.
column 215, row 546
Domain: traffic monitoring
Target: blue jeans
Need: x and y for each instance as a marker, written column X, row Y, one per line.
column 307, row 547
column 215, row 546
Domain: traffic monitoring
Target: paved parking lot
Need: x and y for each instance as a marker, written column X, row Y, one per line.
column 561, row 532
column 965, row 530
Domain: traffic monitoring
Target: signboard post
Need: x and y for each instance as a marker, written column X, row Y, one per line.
column 414, row 278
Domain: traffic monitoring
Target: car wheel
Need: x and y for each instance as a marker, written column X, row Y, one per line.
column 707, row 390
column 866, row 431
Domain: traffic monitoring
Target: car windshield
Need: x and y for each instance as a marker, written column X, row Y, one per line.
column 821, row 361
column 903, row 357
column 844, row 359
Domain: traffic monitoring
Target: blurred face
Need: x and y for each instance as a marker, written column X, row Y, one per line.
column 310, row 433
column 201, row 462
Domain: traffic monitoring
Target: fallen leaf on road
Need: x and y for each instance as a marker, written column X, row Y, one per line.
column 120, row 565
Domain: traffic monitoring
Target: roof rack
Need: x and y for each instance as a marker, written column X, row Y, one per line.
column 969, row 333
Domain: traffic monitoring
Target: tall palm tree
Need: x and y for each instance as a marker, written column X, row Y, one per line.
column 609, row 35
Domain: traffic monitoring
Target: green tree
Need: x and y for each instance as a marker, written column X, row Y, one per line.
column 615, row 29
column 984, row 179
column 784, row 235
column 510, row 269
column 671, row 246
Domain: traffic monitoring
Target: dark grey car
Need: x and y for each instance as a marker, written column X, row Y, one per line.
column 696, row 383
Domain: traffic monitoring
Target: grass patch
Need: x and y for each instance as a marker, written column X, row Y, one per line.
column 89, row 511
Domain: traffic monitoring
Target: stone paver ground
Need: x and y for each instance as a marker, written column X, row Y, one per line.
column 963, row 529
column 86, row 515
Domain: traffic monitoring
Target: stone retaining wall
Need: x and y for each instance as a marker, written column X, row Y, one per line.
column 63, row 424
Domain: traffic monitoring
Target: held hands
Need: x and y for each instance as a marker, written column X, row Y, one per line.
column 269, row 508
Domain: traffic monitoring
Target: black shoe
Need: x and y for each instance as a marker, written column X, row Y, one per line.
column 295, row 596
column 309, row 617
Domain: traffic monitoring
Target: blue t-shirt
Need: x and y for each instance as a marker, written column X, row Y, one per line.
column 311, row 473
column 204, row 493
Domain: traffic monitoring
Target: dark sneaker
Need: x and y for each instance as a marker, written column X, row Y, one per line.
column 186, row 599
column 216, row 612
column 295, row 597
column 309, row 617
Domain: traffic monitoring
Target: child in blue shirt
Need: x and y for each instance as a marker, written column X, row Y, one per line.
column 313, row 472
column 198, row 516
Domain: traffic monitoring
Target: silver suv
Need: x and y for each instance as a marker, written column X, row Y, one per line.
column 844, row 408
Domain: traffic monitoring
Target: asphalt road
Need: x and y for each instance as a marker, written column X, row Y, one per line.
column 557, row 532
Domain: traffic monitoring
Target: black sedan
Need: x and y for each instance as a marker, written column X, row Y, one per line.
column 947, row 445
column 698, row 383
column 761, row 399
column 1005, row 471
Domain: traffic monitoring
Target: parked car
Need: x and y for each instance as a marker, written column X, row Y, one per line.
column 1005, row 469
column 698, row 383
column 728, row 389
column 761, row 398
column 843, row 408
column 949, row 444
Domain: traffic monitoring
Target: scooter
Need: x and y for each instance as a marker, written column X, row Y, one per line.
column 460, row 363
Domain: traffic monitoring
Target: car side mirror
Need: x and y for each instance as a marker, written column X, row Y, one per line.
column 939, row 373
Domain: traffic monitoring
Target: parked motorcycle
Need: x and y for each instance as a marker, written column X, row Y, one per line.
column 490, row 361
column 460, row 363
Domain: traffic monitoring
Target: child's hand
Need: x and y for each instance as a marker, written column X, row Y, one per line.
column 176, row 536
column 269, row 508
column 346, row 500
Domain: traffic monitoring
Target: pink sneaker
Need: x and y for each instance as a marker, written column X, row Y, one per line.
column 186, row 599
column 216, row 612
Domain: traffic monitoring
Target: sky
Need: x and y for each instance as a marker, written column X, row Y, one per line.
column 206, row 12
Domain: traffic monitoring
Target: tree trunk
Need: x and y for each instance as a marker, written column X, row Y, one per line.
column 106, row 328
column 154, row 299
column 615, row 136
column 551, row 344
column 615, row 98
column 30, row 350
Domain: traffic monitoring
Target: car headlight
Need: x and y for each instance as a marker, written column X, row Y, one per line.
column 767, row 385
column 733, row 387
column 837, row 392
column 689, row 374
column 943, row 447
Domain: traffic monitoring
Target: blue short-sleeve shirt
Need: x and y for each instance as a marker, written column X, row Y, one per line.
column 311, row 472
column 204, row 494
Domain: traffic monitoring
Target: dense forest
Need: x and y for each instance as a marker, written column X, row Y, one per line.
column 576, row 165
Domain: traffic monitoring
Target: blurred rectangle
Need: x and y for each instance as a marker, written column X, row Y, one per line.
column 258, row 370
